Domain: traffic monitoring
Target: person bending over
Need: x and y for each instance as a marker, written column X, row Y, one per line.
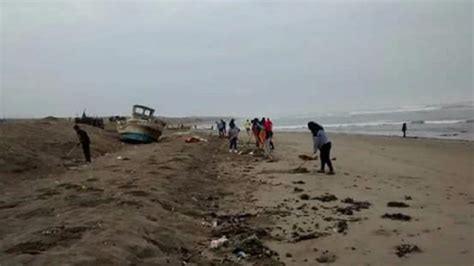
column 321, row 142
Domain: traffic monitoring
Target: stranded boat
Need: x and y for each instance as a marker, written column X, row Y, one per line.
column 142, row 127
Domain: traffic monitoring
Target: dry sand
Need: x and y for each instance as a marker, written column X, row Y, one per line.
column 158, row 206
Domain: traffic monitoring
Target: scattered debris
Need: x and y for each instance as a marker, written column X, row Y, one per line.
column 254, row 247
column 345, row 210
column 396, row 204
column 397, row 216
column 195, row 139
column 299, row 182
column 302, row 206
column 313, row 235
column 326, row 197
column 123, row 158
column 326, row 258
column 297, row 190
column 215, row 244
column 356, row 205
column 304, row 196
column 404, row 249
column 341, row 227
column 241, row 255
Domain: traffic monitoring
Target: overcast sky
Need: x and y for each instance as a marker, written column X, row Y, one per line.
column 232, row 57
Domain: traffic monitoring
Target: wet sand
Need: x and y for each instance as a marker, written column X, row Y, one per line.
column 433, row 177
column 166, row 201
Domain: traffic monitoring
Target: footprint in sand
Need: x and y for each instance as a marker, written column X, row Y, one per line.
column 138, row 193
column 41, row 212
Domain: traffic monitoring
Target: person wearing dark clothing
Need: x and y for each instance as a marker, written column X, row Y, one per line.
column 224, row 127
column 84, row 141
column 404, row 130
column 269, row 132
column 321, row 142
column 256, row 131
column 233, row 137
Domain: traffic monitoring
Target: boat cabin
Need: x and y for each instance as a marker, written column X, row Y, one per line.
column 142, row 112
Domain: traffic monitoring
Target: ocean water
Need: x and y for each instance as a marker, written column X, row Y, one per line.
column 449, row 121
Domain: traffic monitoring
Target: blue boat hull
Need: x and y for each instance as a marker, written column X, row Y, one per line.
column 136, row 138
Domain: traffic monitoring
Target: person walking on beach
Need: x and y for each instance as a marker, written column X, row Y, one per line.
column 233, row 137
column 84, row 141
column 268, row 126
column 404, row 130
column 321, row 142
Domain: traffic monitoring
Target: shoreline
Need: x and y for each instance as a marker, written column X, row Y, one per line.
column 380, row 135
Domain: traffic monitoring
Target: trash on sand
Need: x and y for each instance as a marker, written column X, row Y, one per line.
column 299, row 182
column 396, row 204
column 253, row 246
column 309, row 236
column 304, row 196
column 326, row 258
column 207, row 224
column 356, row 205
column 241, row 255
column 217, row 243
column 341, row 227
column 297, row 190
column 397, row 216
column 404, row 249
column 195, row 139
column 326, row 197
column 345, row 210
column 123, row 158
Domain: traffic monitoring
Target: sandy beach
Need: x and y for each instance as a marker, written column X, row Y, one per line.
column 163, row 203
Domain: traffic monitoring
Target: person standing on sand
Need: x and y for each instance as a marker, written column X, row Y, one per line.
column 256, row 131
column 248, row 126
column 321, row 142
column 84, row 141
column 268, row 145
column 224, row 127
column 233, row 137
column 404, row 130
column 269, row 132
column 262, row 136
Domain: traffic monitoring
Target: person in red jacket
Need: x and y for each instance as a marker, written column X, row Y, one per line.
column 268, row 125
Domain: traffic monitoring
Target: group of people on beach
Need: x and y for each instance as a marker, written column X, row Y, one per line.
column 262, row 131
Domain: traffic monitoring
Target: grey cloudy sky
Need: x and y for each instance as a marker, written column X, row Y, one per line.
column 232, row 57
